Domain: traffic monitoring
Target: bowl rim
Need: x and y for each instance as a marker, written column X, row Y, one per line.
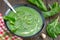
column 31, row 6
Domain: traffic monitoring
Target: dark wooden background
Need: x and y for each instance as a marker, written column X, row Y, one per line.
column 4, row 7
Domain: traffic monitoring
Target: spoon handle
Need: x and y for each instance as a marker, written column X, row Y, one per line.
column 6, row 1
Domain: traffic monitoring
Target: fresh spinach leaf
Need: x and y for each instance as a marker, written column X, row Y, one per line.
column 54, row 9
column 39, row 3
column 10, row 19
column 53, row 28
column 51, row 12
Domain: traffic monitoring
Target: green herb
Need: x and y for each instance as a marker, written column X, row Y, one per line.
column 10, row 19
column 54, row 9
column 39, row 3
column 53, row 28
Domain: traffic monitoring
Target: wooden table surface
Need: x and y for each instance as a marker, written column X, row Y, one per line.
column 4, row 7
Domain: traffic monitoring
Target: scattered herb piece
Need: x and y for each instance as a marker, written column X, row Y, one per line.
column 53, row 28
column 10, row 19
column 39, row 3
column 54, row 9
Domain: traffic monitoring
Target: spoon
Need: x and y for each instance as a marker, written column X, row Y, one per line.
column 6, row 1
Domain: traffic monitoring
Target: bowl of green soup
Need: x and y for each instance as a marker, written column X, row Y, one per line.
column 27, row 22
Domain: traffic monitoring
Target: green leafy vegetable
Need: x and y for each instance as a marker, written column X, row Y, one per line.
column 54, row 9
column 39, row 3
column 53, row 28
column 10, row 19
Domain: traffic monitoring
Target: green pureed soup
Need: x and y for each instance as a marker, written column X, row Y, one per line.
column 28, row 21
